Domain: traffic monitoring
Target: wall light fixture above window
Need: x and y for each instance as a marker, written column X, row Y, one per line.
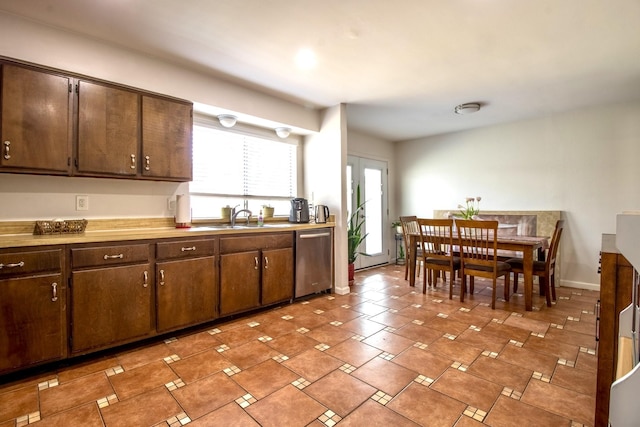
column 283, row 132
column 470, row 108
column 227, row 120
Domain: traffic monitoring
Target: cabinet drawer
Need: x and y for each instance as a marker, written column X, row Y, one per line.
column 185, row 249
column 109, row 255
column 20, row 263
column 253, row 243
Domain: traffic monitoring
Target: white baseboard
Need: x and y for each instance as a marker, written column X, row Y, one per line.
column 580, row 285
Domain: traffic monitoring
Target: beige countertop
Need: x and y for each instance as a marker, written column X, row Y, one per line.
column 134, row 230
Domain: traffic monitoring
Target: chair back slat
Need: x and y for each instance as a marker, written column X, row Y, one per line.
column 553, row 246
column 409, row 226
column 436, row 236
column 478, row 241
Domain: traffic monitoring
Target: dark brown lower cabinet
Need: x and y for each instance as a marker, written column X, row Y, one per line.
column 239, row 282
column 32, row 324
column 33, row 303
column 66, row 301
column 277, row 275
column 186, row 292
column 616, row 281
column 110, row 306
column 255, row 271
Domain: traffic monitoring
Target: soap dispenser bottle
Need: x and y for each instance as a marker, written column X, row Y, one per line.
column 260, row 219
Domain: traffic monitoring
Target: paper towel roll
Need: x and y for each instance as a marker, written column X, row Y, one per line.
column 183, row 211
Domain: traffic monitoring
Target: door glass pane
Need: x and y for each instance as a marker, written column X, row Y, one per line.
column 373, row 209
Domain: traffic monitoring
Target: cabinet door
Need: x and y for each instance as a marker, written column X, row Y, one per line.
column 239, row 282
column 32, row 321
column 186, row 292
column 108, row 130
column 35, row 121
column 277, row 275
column 110, row 306
column 166, row 139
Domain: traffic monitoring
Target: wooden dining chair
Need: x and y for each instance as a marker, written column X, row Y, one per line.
column 436, row 237
column 410, row 226
column 545, row 270
column 479, row 256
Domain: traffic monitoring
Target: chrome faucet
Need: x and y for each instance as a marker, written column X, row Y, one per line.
column 234, row 215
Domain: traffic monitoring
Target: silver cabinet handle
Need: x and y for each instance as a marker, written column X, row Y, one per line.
column 114, row 256
column 257, row 263
column 7, row 145
column 146, row 279
column 54, row 289
column 161, row 277
column 192, row 248
column 266, row 263
column 147, row 163
column 133, row 161
column 14, row 265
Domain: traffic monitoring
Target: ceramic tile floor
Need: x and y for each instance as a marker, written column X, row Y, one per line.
column 385, row 355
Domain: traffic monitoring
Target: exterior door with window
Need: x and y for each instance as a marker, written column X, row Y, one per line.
column 371, row 175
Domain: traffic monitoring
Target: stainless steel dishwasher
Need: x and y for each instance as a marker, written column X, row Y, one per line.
column 314, row 261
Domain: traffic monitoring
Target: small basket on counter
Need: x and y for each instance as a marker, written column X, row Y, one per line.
column 63, row 226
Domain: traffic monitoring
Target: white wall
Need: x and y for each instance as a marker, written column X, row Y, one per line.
column 325, row 162
column 584, row 163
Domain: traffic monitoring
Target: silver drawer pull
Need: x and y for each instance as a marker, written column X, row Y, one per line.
column 7, row 145
column 133, row 161
column 161, row 277
column 257, row 262
column 114, row 256
column 54, row 289
column 266, row 263
column 192, row 248
column 14, row 265
column 146, row 279
column 147, row 163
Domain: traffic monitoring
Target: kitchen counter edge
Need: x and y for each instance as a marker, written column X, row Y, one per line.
column 24, row 240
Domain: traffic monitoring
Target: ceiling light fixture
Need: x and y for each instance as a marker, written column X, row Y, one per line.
column 283, row 132
column 227, row 120
column 470, row 108
column 306, row 59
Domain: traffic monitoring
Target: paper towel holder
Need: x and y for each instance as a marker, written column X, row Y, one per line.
column 183, row 211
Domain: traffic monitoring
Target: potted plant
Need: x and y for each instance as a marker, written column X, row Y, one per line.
column 355, row 234
column 400, row 259
column 267, row 211
column 398, row 226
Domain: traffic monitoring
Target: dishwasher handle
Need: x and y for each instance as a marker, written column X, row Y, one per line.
column 314, row 235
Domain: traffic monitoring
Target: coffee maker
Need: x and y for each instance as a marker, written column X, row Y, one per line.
column 299, row 211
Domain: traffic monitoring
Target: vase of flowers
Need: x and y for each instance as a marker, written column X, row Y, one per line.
column 471, row 207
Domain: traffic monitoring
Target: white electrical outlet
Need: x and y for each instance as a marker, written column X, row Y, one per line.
column 82, row 203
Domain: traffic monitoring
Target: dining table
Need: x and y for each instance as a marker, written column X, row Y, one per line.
column 528, row 245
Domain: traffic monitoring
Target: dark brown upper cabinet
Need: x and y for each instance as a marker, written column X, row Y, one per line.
column 166, row 139
column 49, row 118
column 35, row 120
column 108, row 130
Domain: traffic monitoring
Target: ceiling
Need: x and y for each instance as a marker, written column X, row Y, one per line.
column 400, row 66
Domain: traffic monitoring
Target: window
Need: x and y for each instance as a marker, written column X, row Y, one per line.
column 241, row 166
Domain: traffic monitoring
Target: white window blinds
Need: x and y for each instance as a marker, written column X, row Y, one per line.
column 241, row 166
